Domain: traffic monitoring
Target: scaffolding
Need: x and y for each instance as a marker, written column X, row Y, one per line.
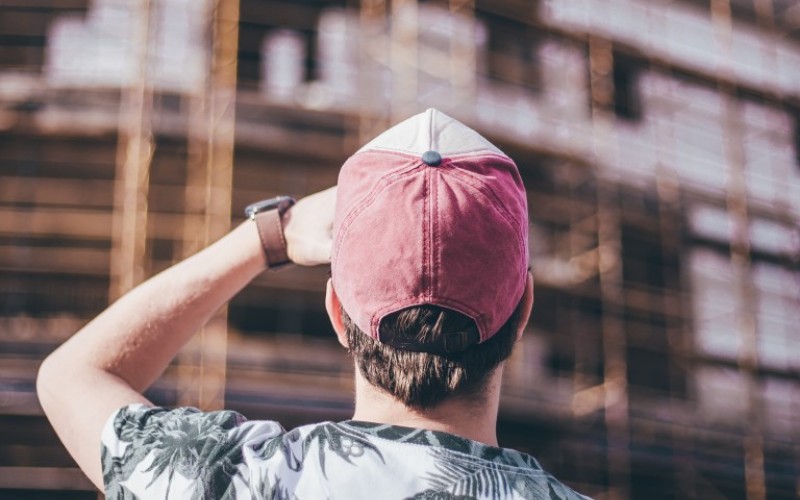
column 736, row 202
column 662, row 188
column 208, row 195
column 134, row 154
column 208, row 187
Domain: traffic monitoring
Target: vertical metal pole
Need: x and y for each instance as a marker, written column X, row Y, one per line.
column 679, row 346
column 404, row 53
column 211, row 166
column 612, row 298
column 219, row 184
column 765, row 17
column 374, row 53
column 132, row 177
column 190, row 360
column 736, row 201
column 463, row 57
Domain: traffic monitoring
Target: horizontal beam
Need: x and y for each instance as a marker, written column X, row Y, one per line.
column 44, row 478
column 81, row 223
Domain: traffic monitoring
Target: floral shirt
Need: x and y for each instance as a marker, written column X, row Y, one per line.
column 155, row 453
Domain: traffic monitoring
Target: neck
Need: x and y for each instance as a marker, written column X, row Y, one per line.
column 462, row 417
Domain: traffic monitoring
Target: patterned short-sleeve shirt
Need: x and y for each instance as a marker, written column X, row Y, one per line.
column 155, row 453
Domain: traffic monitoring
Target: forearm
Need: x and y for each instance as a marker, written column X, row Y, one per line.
column 109, row 362
column 137, row 336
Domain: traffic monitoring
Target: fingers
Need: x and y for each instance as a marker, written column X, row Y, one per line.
column 311, row 253
column 308, row 228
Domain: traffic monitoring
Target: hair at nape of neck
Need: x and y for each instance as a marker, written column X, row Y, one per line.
column 421, row 379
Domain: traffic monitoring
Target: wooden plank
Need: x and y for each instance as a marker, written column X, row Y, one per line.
column 49, row 454
column 30, row 430
column 76, row 223
column 87, row 193
column 21, row 58
column 54, row 5
column 26, row 22
column 20, row 403
column 44, row 478
column 286, row 15
column 557, row 207
column 90, row 261
column 13, row 368
column 46, row 331
column 65, row 154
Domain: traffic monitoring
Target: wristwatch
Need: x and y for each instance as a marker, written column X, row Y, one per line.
column 267, row 216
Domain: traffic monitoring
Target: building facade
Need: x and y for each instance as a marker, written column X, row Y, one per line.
column 659, row 142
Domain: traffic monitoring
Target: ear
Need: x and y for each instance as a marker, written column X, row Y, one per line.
column 334, row 309
column 526, row 303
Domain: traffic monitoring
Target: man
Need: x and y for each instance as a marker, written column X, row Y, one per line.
column 430, row 289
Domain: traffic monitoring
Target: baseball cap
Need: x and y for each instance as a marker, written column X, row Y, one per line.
column 430, row 212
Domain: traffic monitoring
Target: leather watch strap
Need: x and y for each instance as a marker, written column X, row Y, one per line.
column 270, row 230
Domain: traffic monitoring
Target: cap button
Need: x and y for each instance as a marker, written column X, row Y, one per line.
column 431, row 158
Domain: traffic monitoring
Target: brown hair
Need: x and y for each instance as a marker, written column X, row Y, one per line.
column 420, row 379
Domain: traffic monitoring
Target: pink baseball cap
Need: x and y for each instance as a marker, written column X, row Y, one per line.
column 430, row 212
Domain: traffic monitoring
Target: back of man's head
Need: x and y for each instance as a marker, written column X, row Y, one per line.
column 430, row 258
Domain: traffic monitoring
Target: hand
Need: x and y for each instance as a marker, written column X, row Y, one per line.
column 308, row 228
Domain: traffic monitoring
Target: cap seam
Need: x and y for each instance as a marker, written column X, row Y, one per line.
column 381, row 185
column 435, row 251
column 495, row 201
column 426, row 243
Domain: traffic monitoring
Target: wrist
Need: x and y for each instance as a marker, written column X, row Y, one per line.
column 267, row 217
column 252, row 244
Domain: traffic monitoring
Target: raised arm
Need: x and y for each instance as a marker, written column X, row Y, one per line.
column 109, row 362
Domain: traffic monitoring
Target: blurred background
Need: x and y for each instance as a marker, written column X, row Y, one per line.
column 659, row 141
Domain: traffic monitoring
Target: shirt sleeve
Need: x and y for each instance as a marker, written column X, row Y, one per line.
column 153, row 452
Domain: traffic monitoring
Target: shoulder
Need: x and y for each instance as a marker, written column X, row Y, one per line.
column 450, row 466
column 148, row 451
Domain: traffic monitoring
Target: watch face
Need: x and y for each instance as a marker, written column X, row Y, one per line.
column 281, row 203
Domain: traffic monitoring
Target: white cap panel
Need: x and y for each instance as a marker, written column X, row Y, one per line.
column 432, row 130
